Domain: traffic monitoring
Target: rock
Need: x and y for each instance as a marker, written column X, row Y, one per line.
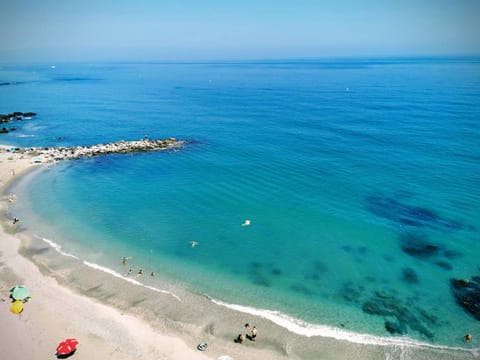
column 467, row 295
column 388, row 305
column 405, row 214
column 418, row 246
column 395, row 328
column 409, row 276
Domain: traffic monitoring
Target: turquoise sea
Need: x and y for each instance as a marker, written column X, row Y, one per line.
column 361, row 179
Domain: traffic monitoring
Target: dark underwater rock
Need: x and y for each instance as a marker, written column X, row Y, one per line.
column 467, row 294
column 409, row 215
column 376, row 308
column 386, row 304
column 276, row 272
column 395, row 328
column 302, row 289
column 418, row 246
column 444, row 265
column 351, row 292
column 319, row 268
column 452, row 254
column 257, row 274
column 409, row 276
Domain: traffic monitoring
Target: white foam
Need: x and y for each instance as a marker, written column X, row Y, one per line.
column 301, row 327
column 109, row 271
column 57, row 247
column 130, row 280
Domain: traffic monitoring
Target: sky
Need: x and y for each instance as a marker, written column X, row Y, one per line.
column 188, row 30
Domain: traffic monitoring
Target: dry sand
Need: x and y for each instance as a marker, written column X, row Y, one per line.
column 114, row 319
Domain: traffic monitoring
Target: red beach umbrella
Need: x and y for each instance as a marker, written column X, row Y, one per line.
column 67, row 347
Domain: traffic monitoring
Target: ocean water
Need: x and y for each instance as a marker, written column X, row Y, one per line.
column 360, row 178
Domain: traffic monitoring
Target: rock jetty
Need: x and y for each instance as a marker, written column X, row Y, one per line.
column 120, row 147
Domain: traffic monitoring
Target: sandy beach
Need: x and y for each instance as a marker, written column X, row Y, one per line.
column 117, row 319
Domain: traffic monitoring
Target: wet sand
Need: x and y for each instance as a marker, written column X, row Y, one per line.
column 113, row 318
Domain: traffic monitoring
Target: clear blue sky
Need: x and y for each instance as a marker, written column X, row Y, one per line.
column 76, row 30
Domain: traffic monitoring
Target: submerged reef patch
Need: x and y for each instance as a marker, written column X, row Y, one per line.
column 317, row 271
column 409, row 276
column 409, row 215
column 467, row 294
column 420, row 247
column 258, row 275
column 399, row 315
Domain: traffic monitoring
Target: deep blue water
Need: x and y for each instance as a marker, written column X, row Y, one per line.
column 360, row 178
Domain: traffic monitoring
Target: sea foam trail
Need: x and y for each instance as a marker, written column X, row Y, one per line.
column 109, row 271
column 306, row 329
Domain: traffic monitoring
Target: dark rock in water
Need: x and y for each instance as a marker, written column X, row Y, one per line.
column 276, row 272
column 256, row 264
column 3, row 130
column 444, row 265
column 257, row 274
column 319, row 268
column 259, row 279
column 467, row 294
column 351, row 292
column 377, row 308
column 409, row 276
column 395, row 328
column 404, row 214
column 452, row 254
column 302, row 289
column 418, row 246
column 386, row 304
column 431, row 319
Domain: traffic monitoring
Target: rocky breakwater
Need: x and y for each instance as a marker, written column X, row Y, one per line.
column 120, row 147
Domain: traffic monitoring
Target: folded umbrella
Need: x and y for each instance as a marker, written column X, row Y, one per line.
column 67, row 347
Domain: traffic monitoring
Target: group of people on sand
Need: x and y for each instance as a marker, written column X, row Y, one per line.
column 252, row 336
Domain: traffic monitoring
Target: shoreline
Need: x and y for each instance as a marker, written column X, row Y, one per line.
column 142, row 323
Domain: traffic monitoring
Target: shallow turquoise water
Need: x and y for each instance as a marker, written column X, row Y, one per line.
column 342, row 166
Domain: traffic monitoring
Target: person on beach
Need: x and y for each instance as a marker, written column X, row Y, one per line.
column 130, row 271
column 152, row 274
column 13, row 172
column 468, row 337
column 15, row 220
column 254, row 334
column 247, row 325
column 140, row 272
column 240, row 338
column 124, row 260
